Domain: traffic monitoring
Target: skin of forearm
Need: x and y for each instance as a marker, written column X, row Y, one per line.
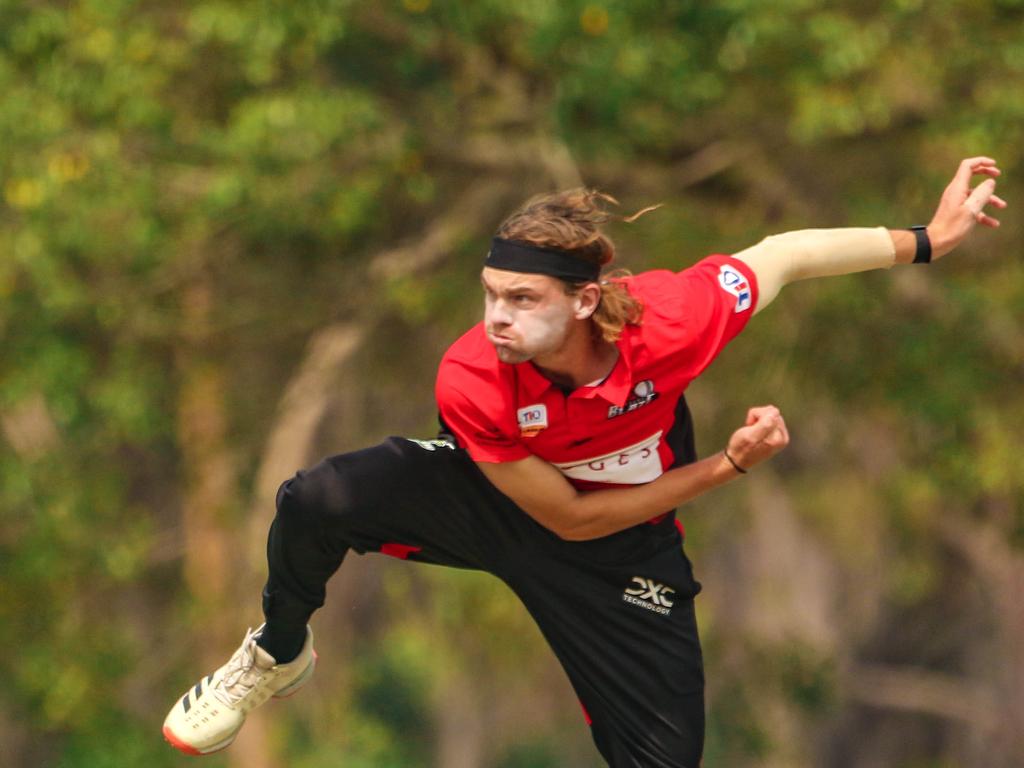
column 593, row 514
column 905, row 244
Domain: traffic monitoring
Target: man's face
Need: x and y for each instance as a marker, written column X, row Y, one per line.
column 525, row 315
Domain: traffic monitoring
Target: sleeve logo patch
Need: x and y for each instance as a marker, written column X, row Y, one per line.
column 735, row 283
column 532, row 419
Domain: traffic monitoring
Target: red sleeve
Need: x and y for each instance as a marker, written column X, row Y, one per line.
column 484, row 437
column 700, row 309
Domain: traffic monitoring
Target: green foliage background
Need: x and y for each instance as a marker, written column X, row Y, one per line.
column 192, row 191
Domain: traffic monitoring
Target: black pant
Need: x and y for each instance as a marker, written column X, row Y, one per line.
column 617, row 611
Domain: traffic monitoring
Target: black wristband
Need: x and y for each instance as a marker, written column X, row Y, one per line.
column 735, row 466
column 923, row 254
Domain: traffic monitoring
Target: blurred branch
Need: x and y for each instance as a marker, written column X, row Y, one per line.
column 502, row 153
column 924, row 692
column 703, row 164
column 710, row 161
column 480, row 205
column 557, row 160
column 291, row 443
column 465, row 217
column 986, row 548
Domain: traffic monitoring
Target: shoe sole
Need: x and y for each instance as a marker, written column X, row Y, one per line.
column 188, row 749
column 289, row 690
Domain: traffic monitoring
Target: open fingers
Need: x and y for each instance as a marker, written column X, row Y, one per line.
column 986, row 167
column 984, row 200
column 980, row 197
column 989, row 221
column 971, row 166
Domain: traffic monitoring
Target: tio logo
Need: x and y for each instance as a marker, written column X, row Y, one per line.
column 532, row 419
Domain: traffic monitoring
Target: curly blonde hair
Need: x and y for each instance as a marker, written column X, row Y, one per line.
column 571, row 221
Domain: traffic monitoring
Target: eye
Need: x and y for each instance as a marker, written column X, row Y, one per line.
column 522, row 299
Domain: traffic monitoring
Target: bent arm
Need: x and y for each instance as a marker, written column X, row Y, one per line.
column 782, row 259
column 541, row 491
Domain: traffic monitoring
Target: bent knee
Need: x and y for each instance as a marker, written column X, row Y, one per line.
column 316, row 493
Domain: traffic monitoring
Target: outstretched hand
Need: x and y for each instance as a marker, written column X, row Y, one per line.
column 763, row 435
column 961, row 207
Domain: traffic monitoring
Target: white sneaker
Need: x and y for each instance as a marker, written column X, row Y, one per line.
column 210, row 714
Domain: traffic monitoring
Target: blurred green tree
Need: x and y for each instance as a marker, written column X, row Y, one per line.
column 192, row 192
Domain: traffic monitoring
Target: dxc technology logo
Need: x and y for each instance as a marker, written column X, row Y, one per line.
column 650, row 595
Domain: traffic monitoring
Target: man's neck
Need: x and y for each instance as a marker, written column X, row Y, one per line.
column 583, row 360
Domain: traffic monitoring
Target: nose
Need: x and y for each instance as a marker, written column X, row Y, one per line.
column 497, row 314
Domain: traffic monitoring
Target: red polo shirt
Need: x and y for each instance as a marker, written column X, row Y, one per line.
column 614, row 433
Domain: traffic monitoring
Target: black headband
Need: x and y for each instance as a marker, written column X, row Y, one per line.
column 519, row 257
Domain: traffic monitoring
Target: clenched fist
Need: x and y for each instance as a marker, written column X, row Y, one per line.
column 763, row 435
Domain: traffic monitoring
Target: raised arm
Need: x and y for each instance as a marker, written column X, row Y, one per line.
column 781, row 259
column 541, row 491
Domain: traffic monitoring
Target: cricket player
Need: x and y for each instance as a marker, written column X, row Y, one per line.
column 566, row 446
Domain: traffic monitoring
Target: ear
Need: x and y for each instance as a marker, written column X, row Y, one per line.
column 586, row 300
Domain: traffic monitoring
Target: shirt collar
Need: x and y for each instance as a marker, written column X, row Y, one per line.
column 615, row 388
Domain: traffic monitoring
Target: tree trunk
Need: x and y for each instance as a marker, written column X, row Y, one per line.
column 460, row 723
column 213, row 550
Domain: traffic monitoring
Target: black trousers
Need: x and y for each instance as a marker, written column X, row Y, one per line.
column 617, row 611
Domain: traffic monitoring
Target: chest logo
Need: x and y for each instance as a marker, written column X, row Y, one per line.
column 732, row 281
column 643, row 393
column 532, row 419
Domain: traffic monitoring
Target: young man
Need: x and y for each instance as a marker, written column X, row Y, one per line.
column 567, row 443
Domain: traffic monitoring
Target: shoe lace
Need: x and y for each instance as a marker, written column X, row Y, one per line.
column 241, row 674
